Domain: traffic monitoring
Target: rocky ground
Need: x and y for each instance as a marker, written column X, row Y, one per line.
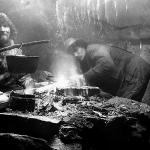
column 76, row 122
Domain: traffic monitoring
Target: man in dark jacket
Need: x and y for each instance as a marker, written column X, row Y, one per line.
column 114, row 70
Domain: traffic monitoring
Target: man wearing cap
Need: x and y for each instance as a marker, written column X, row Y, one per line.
column 114, row 70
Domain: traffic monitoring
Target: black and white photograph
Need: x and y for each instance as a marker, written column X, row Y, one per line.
column 74, row 74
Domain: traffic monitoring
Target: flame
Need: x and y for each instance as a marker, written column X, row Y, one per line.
column 75, row 80
column 62, row 82
column 66, row 70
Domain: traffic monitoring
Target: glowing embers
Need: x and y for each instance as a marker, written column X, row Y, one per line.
column 78, row 91
column 74, row 80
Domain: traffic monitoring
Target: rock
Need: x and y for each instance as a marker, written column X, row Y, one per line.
column 4, row 100
column 127, row 106
column 69, row 133
column 22, row 142
column 36, row 126
column 94, row 123
column 115, row 124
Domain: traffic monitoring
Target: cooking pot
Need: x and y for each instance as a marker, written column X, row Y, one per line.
column 22, row 64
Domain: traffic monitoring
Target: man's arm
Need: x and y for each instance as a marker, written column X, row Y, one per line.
column 101, row 70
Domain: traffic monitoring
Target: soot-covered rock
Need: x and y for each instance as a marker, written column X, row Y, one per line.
column 36, row 126
column 22, row 142
column 118, row 123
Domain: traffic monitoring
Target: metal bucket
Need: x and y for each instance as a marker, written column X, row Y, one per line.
column 22, row 64
column 22, row 102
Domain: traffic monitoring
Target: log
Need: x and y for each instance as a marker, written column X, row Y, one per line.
column 23, row 45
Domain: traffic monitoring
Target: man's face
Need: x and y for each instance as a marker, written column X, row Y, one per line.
column 4, row 34
column 79, row 53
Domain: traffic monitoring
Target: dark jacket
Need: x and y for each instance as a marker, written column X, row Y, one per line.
column 116, row 71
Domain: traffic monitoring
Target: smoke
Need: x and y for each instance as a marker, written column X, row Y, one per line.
column 64, row 67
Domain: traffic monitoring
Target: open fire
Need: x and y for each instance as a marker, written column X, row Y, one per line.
column 66, row 71
column 67, row 79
